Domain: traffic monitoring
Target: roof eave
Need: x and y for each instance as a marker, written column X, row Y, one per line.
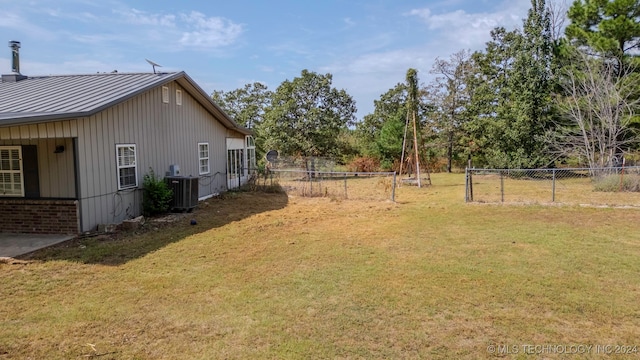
column 34, row 119
column 197, row 92
column 181, row 77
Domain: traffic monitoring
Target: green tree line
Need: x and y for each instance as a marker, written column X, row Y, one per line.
column 535, row 96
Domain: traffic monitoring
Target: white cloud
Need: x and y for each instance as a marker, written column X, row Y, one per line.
column 194, row 29
column 138, row 17
column 349, row 22
column 471, row 30
column 383, row 62
column 35, row 68
column 18, row 24
column 372, row 72
column 267, row 69
column 209, row 31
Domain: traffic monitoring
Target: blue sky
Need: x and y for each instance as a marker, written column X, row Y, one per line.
column 367, row 45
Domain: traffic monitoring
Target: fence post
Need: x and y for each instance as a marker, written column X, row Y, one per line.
column 471, row 185
column 553, row 187
column 345, row 185
column 466, row 184
column 621, row 176
column 470, row 179
column 501, row 187
column 393, row 188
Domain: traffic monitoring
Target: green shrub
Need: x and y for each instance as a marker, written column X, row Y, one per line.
column 612, row 183
column 157, row 196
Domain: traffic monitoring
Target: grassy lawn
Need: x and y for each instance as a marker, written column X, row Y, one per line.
column 270, row 277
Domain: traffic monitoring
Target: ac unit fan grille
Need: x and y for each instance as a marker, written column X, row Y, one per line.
column 185, row 192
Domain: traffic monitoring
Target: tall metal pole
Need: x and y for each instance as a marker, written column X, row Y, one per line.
column 415, row 145
column 404, row 143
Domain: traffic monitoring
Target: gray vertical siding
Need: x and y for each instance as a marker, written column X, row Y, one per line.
column 164, row 134
column 55, row 170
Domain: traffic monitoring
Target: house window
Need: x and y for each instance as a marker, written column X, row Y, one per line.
column 203, row 157
column 165, row 94
column 178, row 97
column 251, row 153
column 11, row 176
column 127, row 166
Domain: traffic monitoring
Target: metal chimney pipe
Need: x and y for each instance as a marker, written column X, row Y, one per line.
column 15, row 58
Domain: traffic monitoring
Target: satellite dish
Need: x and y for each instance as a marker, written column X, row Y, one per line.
column 153, row 64
column 272, row 155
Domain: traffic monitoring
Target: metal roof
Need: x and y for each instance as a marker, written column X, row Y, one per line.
column 57, row 97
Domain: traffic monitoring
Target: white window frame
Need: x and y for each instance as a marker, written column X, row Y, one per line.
column 10, row 172
column 251, row 153
column 251, row 143
column 165, row 94
column 123, row 166
column 178, row 97
column 204, row 159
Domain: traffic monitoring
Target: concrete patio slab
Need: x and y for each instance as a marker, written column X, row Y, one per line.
column 12, row 245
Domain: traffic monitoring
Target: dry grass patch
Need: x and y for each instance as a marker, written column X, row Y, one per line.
column 614, row 190
column 266, row 276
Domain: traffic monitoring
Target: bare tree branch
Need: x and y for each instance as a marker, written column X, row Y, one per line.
column 558, row 11
column 597, row 110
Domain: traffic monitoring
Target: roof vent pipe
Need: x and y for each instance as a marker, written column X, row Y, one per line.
column 15, row 58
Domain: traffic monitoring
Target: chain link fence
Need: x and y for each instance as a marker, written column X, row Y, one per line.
column 619, row 186
column 311, row 163
column 341, row 185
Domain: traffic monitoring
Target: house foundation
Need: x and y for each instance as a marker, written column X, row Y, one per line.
column 39, row 216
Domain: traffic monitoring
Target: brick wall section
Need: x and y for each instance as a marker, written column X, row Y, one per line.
column 39, row 216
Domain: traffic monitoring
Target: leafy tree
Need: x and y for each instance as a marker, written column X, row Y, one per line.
column 245, row 105
column 307, row 115
column 448, row 93
column 388, row 143
column 608, row 27
column 380, row 133
column 511, row 94
column 489, row 97
column 533, row 82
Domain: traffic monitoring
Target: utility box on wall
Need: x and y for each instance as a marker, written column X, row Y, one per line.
column 174, row 170
column 185, row 192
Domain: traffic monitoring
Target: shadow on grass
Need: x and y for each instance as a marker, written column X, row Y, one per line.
column 123, row 246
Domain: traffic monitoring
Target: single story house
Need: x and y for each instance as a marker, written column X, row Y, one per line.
column 74, row 148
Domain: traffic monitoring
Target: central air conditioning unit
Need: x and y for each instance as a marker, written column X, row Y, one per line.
column 185, row 192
